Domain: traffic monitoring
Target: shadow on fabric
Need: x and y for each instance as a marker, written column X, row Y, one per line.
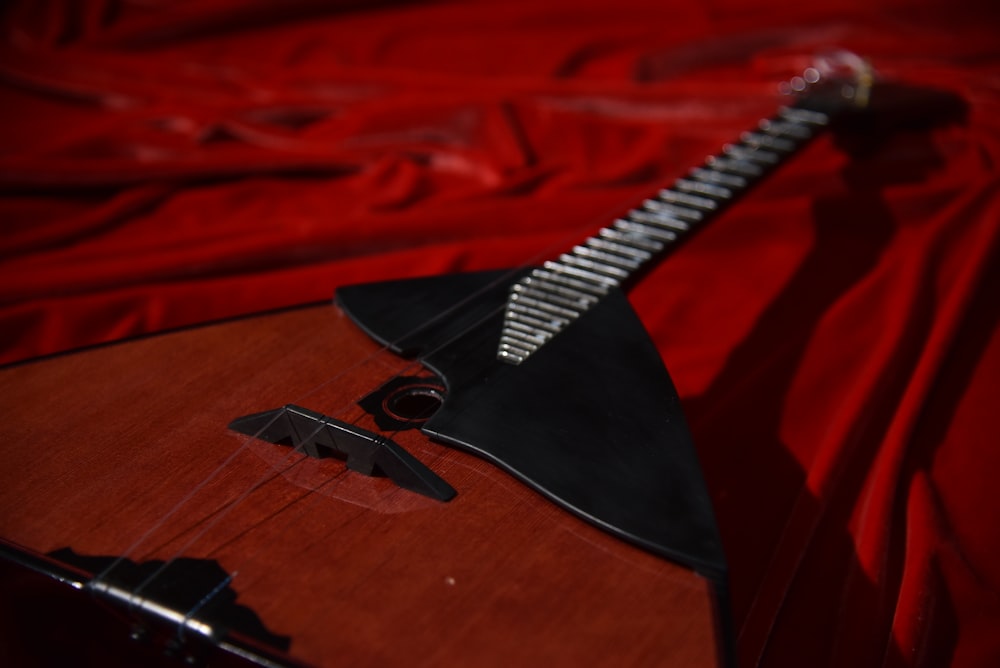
column 796, row 552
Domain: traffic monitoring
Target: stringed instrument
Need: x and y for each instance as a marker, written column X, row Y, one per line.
column 479, row 469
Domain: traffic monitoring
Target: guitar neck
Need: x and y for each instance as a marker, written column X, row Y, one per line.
column 552, row 296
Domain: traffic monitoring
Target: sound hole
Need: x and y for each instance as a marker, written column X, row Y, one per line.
column 414, row 403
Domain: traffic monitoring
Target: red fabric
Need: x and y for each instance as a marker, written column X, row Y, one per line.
column 834, row 336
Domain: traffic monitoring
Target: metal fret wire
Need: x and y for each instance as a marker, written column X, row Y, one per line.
column 550, row 298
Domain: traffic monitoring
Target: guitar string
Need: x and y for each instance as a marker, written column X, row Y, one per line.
column 287, row 508
column 442, row 344
column 223, row 509
column 221, row 468
column 177, row 536
column 223, row 506
column 135, row 594
column 258, row 484
column 134, row 597
column 288, row 525
column 225, row 465
column 221, row 512
column 385, row 348
column 270, row 475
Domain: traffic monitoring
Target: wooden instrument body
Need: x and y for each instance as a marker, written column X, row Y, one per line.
column 123, row 451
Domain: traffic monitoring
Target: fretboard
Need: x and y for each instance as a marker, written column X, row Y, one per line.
column 553, row 296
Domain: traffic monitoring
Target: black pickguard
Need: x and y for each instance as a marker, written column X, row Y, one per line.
column 591, row 421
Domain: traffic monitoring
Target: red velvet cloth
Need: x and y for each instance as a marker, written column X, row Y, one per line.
column 834, row 336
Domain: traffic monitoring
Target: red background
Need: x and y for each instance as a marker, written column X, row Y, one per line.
column 833, row 336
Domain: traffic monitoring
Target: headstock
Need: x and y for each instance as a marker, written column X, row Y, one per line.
column 865, row 107
column 836, row 82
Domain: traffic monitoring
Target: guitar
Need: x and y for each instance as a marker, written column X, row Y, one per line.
column 478, row 469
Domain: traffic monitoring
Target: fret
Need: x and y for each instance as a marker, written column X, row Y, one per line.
column 564, row 268
column 544, row 305
column 590, row 265
column 643, row 229
column 631, row 238
column 516, row 349
column 804, row 116
column 623, row 261
column 552, row 297
column 673, row 210
column 688, row 200
column 511, row 353
column 555, row 293
column 596, row 288
column 661, row 218
column 709, row 189
column 741, row 167
column 631, row 252
column 520, row 344
column 751, row 154
column 757, row 139
column 528, row 334
column 535, row 318
column 718, row 178
column 786, row 128
column 524, row 339
column 542, row 309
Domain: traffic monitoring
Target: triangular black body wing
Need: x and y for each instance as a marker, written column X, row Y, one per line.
column 591, row 420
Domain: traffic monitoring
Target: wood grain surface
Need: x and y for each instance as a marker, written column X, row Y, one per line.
column 124, row 450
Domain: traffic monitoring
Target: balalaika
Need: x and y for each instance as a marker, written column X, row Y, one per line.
column 365, row 542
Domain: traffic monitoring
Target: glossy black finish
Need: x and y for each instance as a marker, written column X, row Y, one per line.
column 592, row 420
